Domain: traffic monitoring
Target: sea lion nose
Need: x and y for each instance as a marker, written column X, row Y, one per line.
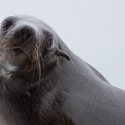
column 26, row 32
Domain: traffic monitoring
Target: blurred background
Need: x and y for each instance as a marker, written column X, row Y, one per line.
column 93, row 29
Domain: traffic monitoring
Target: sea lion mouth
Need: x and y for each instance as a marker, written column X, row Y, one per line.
column 15, row 56
column 19, row 50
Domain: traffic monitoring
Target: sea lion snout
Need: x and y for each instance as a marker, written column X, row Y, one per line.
column 20, row 35
column 16, row 46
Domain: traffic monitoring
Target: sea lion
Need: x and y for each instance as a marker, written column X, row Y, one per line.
column 42, row 82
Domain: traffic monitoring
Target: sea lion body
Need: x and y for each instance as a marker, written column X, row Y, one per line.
column 66, row 93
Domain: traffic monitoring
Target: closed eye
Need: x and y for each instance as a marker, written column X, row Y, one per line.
column 6, row 24
column 49, row 41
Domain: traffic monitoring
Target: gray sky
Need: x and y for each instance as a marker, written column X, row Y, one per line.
column 92, row 29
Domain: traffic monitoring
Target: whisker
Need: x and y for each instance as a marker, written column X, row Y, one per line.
column 3, row 45
column 14, row 14
column 38, row 61
column 43, row 65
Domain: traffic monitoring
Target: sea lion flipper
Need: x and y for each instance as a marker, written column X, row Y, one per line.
column 61, row 53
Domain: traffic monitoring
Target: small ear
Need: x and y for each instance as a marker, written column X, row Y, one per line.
column 61, row 53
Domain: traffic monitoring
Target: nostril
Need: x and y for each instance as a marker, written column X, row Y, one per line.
column 26, row 32
column 25, row 35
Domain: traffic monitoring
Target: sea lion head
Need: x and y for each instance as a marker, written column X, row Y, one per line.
column 27, row 45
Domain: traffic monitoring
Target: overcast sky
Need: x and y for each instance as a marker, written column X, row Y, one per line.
column 92, row 29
